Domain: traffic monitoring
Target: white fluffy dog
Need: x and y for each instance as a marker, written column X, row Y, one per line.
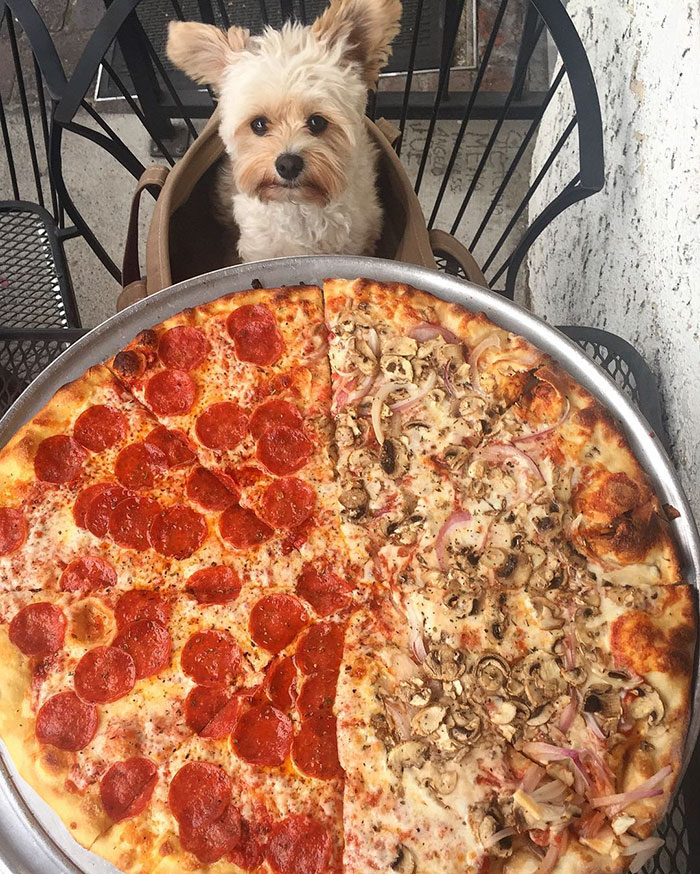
column 302, row 173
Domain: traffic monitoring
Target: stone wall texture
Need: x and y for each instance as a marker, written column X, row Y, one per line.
column 628, row 259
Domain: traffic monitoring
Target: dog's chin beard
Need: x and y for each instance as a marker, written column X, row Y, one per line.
column 299, row 191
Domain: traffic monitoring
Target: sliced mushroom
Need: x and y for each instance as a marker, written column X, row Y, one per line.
column 488, row 828
column 355, row 501
column 405, row 346
column 541, row 715
column 396, row 368
column 549, row 613
column 574, row 676
column 647, row 705
column 444, row 782
column 586, row 629
column 410, row 754
column 542, row 677
column 428, row 720
column 444, row 663
column 393, row 457
column 455, row 457
column 491, row 672
column 467, row 726
column 603, row 700
column 405, row 861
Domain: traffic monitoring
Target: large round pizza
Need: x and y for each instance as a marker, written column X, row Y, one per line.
column 347, row 579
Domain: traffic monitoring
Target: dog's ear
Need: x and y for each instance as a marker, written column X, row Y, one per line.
column 367, row 27
column 202, row 50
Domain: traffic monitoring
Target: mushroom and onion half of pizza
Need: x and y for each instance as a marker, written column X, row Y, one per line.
column 340, row 579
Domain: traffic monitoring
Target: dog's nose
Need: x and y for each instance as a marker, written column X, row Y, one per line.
column 289, row 166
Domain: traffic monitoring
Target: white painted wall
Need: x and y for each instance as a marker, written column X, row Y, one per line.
column 628, row 259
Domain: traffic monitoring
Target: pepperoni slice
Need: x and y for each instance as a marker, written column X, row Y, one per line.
column 99, row 510
column 199, row 794
column 173, row 444
column 211, row 658
column 88, row 574
column 255, row 336
column 288, row 502
column 59, row 459
column 214, row 585
column 222, row 425
column 170, row 393
column 325, row 591
column 212, row 841
column 211, row 490
column 136, row 465
column 274, row 412
column 276, row 620
column 83, row 501
column 212, row 711
column 284, row 450
column 130, row 520
column 299, row 845
column 127, row 787
column 149, row 645
column 317, row 695
column 280, row 684
column 315, row 748
column 241, row 528
column 183, row 348
column 66, row 722
column 100, row 427
column 178, row 532
column 263, row 736
column 104, row 674
column 38, row 629
column 320, row 648
column 139, row 604
column 250, row 852
column 13, row 529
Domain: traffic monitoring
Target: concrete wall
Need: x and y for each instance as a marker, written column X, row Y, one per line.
column 628, row 259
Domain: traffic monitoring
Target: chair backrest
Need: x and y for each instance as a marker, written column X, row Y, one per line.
column 468, row 91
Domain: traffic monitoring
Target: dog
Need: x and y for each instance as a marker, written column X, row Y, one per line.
column 300, row 178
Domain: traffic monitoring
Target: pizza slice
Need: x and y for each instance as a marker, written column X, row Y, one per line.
column 256, row 687
column 430, row 785
column 246, row 378
column 417, row 382
column 572, row 454
column 593, row 684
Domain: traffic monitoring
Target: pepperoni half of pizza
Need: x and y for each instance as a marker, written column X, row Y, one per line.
column 352, row 579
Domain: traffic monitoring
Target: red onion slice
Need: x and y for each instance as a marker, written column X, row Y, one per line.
column 362, row 389
column 461, row 517
column 420, row 393
column 503, row 452
column 642, row 852
column 538, row 435
column 497, row 837
column 556, row 850
column 477, row 351
column 593, row 726
column 647, row 789
column 568, row 714
column 429, row 331
column 399, row 717
column 531, row 778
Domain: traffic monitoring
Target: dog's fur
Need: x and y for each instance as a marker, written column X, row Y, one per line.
column 285, row 77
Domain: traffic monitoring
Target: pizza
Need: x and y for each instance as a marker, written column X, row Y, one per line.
column 347, row 579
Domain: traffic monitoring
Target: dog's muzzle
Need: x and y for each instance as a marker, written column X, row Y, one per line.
column 289, row 166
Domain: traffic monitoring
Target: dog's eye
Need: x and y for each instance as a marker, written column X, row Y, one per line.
column 259, row 125
column 316, row 124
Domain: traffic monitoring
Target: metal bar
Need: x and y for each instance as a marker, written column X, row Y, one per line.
column 302, row 12
column 409, row 73
column 115, row 147
column 263, row 12
column 550, row 212
column 372, row 104
column 25, row 109
column 287, row 9
column 41, row 44
column 470, row 108
column 442, row 82
column 570, row 195
column 171, row 89
column 524, row 53
column 206, row 12
column 45, row 131
column 516, row 160
column 531, row 190
column 177, row 9
column 486, row 105
column 223, row 12
column 137, row 112
column 489, row 146
column 8, row 151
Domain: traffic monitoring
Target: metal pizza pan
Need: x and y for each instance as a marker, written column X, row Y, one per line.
column 32, row 838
